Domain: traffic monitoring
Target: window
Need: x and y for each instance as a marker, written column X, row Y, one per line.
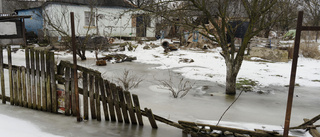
column 90, row 19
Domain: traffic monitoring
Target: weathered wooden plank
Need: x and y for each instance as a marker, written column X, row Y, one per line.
column 97, row 94
column 53, row 84
column 103, row 99
column 233, row 130
column 130, row 107
column 110, row 100
column 15, row 88
column 123, row 105
column 67, row 91
column 137, row 108
column 48, row 82
column 85, row 96
column 313, row 131
column 38, row 82
column 73, row 96
column 24, row 87
column 91, row 95
column 43, row 81
column 116, row 101
column 33, row 81
column 19, row 87
column 29, row 96
column 80, row 68
column 307, row 123
column 151, row 118
column 10, row 75
column 3, row 89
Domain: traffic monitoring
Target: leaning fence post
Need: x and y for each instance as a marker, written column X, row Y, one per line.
column 103, row 98
column 130, row 107
column 123, row 105
column 137, row 108
column 110, row 100
column 151, row 118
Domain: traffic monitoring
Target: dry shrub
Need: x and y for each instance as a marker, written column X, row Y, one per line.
column 128, row 80
column 310, row 50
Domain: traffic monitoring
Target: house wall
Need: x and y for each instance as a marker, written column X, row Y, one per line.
column 35, row 23
column 1, row 6
column 108, row 21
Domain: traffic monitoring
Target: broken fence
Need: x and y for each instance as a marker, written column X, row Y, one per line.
column 34, row 86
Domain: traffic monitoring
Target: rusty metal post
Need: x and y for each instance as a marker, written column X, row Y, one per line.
column 293, row 74
column 75, row 75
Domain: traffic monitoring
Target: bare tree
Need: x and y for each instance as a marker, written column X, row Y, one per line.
column 219, row 13
column 58, row 23
column 312, row 12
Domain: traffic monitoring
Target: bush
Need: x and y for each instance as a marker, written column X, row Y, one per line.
column 310, row 50
column 128, row 80
column 177, row 89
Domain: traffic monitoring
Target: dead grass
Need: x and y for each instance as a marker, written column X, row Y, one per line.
column 310, row 50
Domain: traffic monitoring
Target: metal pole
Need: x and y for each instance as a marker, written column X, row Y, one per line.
column 75, row 75
column 293, row 74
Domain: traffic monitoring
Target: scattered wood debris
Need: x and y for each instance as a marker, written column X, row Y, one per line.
column 118, row 58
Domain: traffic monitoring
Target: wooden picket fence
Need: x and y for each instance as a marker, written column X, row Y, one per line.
column 30, row 86
column 35, row 86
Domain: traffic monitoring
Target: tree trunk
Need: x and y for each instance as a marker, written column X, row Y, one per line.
column 231, row 79
column 266, row 33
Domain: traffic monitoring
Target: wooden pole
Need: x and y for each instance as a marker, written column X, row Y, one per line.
column 10, row 75
column 37, row 53
column 3, row 89
column 293, row 74
column 29, row 99
column 33, row 81
column 85, row 96
column 67, row 91
column 75, row 66
column 43, row 81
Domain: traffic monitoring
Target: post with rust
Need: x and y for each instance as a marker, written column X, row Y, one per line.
column 293, row 74
column 75, row 75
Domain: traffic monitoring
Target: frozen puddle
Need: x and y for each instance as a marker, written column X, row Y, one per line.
column 14, row 127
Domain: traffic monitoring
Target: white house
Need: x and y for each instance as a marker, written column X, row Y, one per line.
column 104, row 19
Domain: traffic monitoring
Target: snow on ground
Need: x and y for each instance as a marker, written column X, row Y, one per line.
column 210, row 65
